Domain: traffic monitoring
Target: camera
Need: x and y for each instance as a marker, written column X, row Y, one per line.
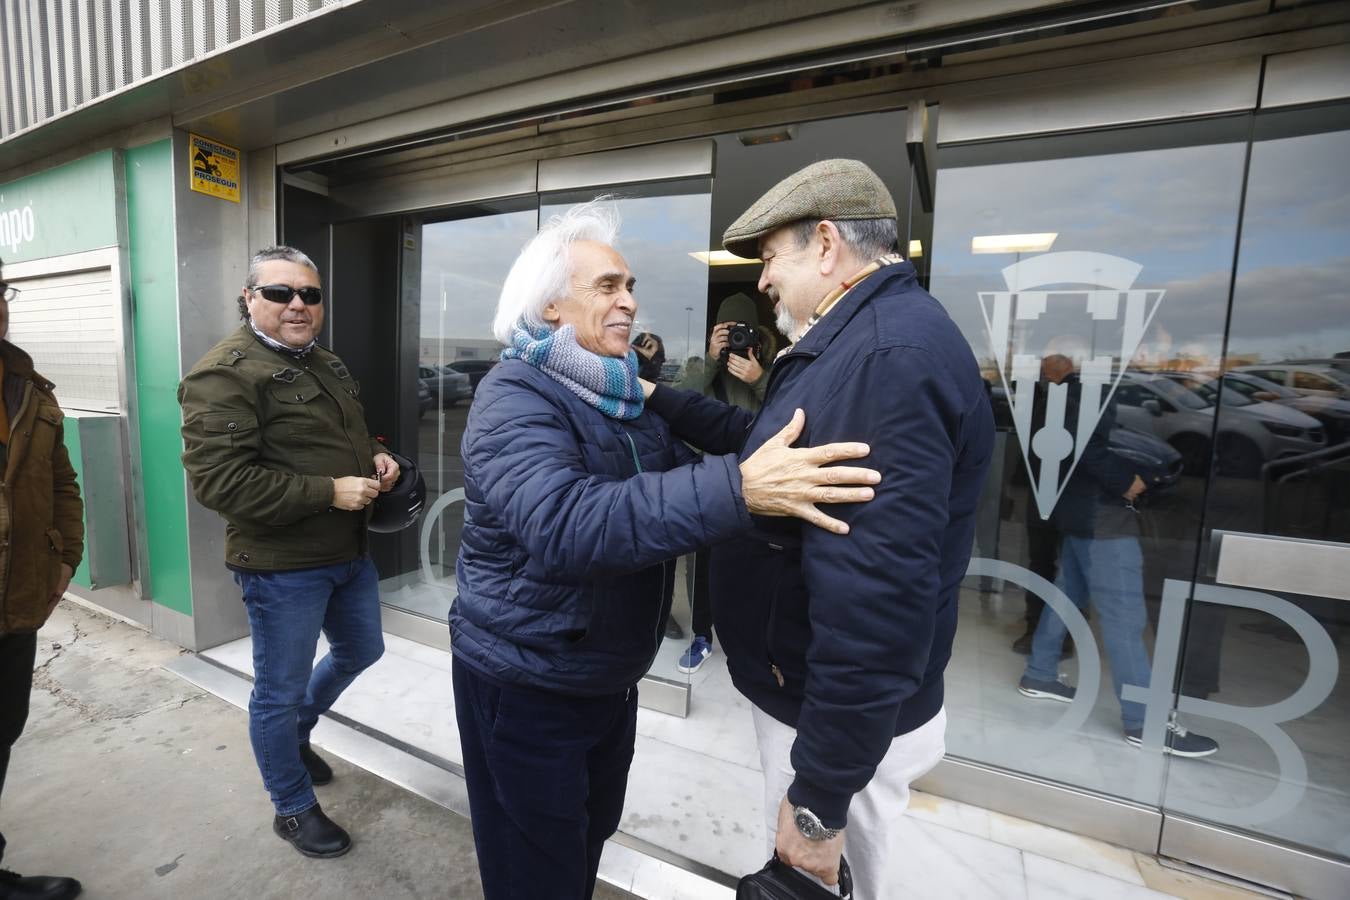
column 741, row 338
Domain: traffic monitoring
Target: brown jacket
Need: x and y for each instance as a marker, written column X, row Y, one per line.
column 41, row 516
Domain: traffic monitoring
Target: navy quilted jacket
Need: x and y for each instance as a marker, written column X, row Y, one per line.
column 846, row 637
column 572, row 522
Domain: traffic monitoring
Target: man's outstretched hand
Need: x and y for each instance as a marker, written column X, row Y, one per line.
column 781, row 480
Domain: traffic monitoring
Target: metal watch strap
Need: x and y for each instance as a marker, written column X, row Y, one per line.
column 815, row 830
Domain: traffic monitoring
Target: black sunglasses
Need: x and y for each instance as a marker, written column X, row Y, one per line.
column 282, row 293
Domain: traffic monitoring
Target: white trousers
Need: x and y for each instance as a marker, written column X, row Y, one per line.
column 871, row 841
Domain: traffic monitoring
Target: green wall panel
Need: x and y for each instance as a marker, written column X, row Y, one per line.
column 64, row 210
column 72, row 436
column 150, row 225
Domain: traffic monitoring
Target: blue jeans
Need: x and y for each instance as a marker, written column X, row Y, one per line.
column 1109, row 574
column 546, row 775
column 286, row 611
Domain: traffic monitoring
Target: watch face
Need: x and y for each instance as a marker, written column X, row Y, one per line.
column 807, row 825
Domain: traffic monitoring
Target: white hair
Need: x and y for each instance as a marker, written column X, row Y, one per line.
column 539, row 275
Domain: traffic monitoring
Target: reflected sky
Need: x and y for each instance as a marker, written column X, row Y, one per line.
column 464, row 263
column 1291, row 299
column 1172, row 211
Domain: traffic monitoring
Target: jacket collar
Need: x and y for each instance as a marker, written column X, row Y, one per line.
column 814, row 342
column 20, row 365
column 17, row 362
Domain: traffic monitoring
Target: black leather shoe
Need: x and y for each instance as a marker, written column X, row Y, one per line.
column 313, row 833
column 14, row 886
column 319, row 771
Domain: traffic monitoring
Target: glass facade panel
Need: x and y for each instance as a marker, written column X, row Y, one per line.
column 463, row 263
column 1268, row 653
column 1168, row 365
column 1086, row 272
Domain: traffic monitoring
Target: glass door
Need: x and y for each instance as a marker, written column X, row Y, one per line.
column 1260, row 641
column 455, row 263
column 1085, row 271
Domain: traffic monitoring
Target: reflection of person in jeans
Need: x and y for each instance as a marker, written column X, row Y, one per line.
column 736, row 377
column 1101, row 565
column 275, row 440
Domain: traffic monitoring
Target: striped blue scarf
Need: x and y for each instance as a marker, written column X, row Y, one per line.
column 608, row 384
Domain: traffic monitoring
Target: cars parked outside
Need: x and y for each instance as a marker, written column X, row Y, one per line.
column 1309, row 379
column 448, row 387
column 1159, row 464
column 1249, row 434
column 1332, row 412
column 424, row 401
column 474, row 368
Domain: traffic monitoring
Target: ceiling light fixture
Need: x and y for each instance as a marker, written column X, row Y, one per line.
column 768, row 136
column 1013, row 243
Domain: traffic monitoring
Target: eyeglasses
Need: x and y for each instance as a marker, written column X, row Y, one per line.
column 282, row 293
column 9, row 293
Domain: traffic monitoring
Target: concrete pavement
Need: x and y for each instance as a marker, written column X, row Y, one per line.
column 143, row 786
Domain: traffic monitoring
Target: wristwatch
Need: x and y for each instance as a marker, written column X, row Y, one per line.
column 808, row 823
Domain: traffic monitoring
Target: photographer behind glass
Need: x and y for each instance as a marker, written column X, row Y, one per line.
column 733, row 371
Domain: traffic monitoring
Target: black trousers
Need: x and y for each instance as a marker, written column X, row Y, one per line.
column 700, row 597
column 546, row 776
column 1042, row 559
column 17, row 653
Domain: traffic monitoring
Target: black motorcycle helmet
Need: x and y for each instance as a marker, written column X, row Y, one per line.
column 397, row 508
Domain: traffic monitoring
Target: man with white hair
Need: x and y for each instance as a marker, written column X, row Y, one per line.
column 577, row 499
column 275, row 440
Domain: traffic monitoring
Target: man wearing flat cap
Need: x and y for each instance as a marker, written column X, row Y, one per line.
column 840, row 640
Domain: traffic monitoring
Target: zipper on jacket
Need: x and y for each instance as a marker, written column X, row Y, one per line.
column 769, row 630
column 633, row 448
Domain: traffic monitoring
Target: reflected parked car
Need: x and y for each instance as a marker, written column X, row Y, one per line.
column 474, row 368
column 448, row 387
column 1309, row 379
column 1249, row 435
column 424, row 399
column 1158, row 463
column 1333, row 413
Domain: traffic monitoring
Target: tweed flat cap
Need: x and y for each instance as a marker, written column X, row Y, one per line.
column 830, row 189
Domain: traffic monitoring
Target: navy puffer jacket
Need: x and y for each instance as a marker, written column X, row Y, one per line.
column 572, row 521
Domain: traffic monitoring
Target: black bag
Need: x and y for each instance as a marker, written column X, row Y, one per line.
column 779, row 881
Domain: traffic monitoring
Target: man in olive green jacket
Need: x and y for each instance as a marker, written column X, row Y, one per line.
column 41, row 542
column 275, row 440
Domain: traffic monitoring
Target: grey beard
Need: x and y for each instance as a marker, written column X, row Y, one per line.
column 787, row 325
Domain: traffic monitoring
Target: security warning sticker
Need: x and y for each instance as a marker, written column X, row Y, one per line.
column 215, row 168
